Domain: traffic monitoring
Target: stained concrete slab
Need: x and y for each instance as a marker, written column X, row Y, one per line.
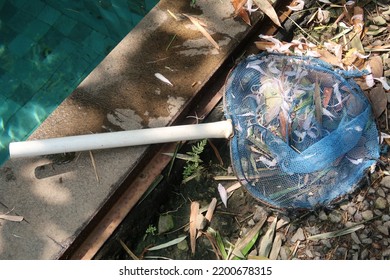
column 57, row 196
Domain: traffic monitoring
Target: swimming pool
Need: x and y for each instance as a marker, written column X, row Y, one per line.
column 47, row 47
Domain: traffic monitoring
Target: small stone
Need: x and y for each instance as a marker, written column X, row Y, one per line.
column 358, row 217
column 308, row 253
column 351, row 210
column 299, row 235
column 383, row 229
column 355, row 247
column 371, row 190
column 364, row 254
column 283, row 253
column 360, row 198
column 335, row 216
column 386, row 182
column 344, row 206
column 355, row 238
column 182, row 246
column 322, row 215
column 312, row 230
column 251, row 222
column 386, row 253
column 385, row 218
column 327, row 243
column 368, row 214
column 367, row 241
column 165, row 223
column 260, row 212
column 381, row 192
column 380, row 203
column 377, row 212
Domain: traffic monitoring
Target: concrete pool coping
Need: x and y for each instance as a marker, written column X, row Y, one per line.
column 57, row 196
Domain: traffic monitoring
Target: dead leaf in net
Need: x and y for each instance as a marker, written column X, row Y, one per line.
column 317, row 102
column 327, row 95
column 378, row 98
column 283, row 125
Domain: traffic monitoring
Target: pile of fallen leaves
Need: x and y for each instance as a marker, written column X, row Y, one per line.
column 346, row 36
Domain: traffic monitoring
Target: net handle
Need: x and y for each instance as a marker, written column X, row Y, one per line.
column 221, row 129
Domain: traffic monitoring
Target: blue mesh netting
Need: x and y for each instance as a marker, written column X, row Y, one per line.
column 304, row 131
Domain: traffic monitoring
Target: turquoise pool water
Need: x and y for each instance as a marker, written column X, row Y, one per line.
column 47, row 47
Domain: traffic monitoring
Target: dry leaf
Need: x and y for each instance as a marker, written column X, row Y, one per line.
column 267, row 240
column 328, row 57
column 273, row 255
column 223, row 194
column 327, row 95
column 350, row 57
column 263, row 45
column 241, row 243
column 238, row 6
column 163, row 79
column 358, row 26
column 376, row 65
column 336, row 233
column 298, row 5
column 199, row 26
column 267, row 8
column 234, row 187
column 193, row 219
column 317, row 102
column 210, row 209
column 283, row 123
column 12, row 218
column 378, row 98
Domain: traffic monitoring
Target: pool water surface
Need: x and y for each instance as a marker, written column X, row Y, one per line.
column 47, row 47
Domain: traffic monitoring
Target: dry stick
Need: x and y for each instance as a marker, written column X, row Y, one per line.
column 128, row 251
column 217, row 154
column 307, row 34
column 170, row 43
column 94, row 166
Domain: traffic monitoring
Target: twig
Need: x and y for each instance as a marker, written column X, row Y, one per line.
column 128, row 251
column 170, row 43
column 217, row 154
column 94, row 166
column 295, row 249
column 307, row 34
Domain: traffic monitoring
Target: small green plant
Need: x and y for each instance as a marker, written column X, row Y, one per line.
column 193, row 168
column 151, row 230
